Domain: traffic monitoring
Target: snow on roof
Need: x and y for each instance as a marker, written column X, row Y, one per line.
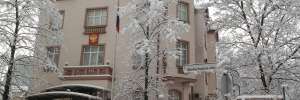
column 77, row 85
column 58, row 94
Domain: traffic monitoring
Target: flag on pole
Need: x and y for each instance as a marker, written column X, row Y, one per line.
column 118, row 24
column 115, row 50
column 118, row 18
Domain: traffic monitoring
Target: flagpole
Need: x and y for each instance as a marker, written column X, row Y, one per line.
column 115, row 51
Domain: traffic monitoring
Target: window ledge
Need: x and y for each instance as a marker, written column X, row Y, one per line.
column 87, row 66
column 87, row 77
column 101, row 29
column 97, row 26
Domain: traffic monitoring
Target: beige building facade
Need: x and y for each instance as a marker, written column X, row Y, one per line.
column 86, row 67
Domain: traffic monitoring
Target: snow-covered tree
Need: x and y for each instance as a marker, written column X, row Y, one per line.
column 23, row 41
column 259, row 41
column 148, row 26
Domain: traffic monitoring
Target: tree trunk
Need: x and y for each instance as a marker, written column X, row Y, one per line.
column 157, row 63
column 9, row 73
column 262, row 74
column 147, row 61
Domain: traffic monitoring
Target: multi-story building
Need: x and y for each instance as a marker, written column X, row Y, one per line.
column 88, row 69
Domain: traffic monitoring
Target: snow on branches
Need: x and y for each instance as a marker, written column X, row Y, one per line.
column 148, row 24
column 261, row 39
column 27, row 27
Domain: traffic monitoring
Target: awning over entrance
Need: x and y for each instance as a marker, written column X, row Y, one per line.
column 67, row 87
column 62, row 94
column 72, row 91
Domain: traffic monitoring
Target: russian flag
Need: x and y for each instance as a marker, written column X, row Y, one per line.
column 118, row 19
column 118, row 23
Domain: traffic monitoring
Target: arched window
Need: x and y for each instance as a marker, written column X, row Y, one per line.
column 226, row 84
column 174, row 95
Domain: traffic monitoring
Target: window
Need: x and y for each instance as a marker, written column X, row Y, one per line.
column 166, row 10
column 93, row 55
column 226, row 84
column 183, row 55
column 53, row 54
column 62, row 13
column 51, row 25
column 96, row 17
column 138, row 94
column 174, row 95
column 137, row 60
column 183, row 12
column 55, row 26
column 164, row 63
column 2, row 73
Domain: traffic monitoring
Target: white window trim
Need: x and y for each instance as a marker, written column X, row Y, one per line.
column 92, row 17
column 183, row 8
column 184, row 52
column 52, row 54
column 90, row 53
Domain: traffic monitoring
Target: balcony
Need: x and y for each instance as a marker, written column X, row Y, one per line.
column 101, row 72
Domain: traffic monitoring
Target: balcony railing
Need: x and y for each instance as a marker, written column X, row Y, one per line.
column 95, row 29
column 87, row 70
column 101, row 72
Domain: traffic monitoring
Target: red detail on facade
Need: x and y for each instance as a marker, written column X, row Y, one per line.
column 88, row 78
column 93, row 38
column 88, row 71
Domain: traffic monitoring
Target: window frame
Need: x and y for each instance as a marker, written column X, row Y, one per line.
column 164, row 63
column 95, row 8
column 62, row 13
column 82, row 54
column 188, row 11
column 138, row 60
column 174, row 91
column 188, row 55
column 59, row 48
